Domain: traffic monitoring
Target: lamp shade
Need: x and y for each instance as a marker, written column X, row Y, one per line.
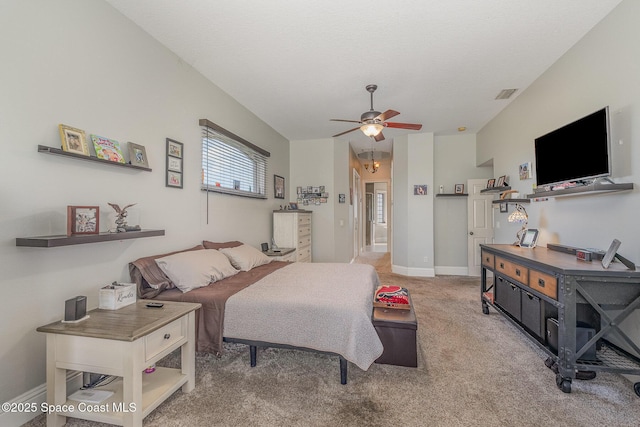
column 371, row 129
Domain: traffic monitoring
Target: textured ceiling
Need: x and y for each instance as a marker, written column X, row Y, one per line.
column 296, row 64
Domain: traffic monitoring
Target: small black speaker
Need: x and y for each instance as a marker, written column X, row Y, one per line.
column 265, row 247
column 75, row 308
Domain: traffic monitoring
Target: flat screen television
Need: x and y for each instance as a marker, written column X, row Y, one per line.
column 579, row 151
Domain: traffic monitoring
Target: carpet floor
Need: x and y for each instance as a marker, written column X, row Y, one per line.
column 473, row 370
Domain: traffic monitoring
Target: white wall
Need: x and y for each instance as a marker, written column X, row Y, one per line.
column 601, row 69
column 83, row 64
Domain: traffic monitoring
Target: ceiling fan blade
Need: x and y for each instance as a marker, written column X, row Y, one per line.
column 387, row 115
column 343, row 120
column 379, row 137
column 412, row 126
column 347, row 131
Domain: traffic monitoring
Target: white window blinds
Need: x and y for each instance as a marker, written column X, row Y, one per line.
column 232, row 165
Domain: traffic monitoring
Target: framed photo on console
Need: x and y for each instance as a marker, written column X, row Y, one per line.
column 529, row 238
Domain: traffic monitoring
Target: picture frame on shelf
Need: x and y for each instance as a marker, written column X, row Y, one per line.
column 73, row 140
column 293, row 206
column 502, row 181
column 83, row 220
column 503, row 208
column 491, row 183
column 278, row 187
column 137, row 155
column 107, row 149
column 459, row 189
column 175, row 154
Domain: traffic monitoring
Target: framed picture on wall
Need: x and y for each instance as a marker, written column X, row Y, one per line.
column 175, row 154
column 278, row 187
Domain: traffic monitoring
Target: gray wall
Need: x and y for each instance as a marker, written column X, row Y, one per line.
column 601, row 69
column 83, row 64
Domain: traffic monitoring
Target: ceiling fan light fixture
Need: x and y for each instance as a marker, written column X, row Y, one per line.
column 371, row 129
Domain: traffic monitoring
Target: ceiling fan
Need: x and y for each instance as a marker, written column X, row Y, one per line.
column 372, row 122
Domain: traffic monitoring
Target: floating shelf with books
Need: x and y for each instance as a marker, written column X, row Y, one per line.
column 59, row 152
column 79, row 239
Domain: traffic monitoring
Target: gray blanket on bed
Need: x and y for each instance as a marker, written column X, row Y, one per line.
column 320, row 306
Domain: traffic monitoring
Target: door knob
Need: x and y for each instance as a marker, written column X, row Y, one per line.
column 471, row 233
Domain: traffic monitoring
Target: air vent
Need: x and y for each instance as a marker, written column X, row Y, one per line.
column 506, row 93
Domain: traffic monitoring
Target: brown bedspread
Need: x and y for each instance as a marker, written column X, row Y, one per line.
column 210, row 319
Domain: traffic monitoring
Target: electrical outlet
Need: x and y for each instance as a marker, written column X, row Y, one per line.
column 425, row 259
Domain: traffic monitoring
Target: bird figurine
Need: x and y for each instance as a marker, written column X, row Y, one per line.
column 121, row 223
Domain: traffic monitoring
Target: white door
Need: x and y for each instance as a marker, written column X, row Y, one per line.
column 479, row 223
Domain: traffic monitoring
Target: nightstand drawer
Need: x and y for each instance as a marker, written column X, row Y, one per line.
column 303, row 254
column 304, row 230
column 165, row 337
column 513, row 270
column 304, row 240
column 544, row 283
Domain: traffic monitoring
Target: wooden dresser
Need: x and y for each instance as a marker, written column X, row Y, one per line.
column 538, row 287
column 292, row 229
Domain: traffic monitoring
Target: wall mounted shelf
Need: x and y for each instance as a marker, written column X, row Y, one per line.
column 595, row 188
column 58, row 152
column 512, row 201
column 452, row 195
column 496, row 189
column 79, row 239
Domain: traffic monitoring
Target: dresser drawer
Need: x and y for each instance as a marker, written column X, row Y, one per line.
column 488, row 259
column 544, row 283
column 303, row 254
column 513, row 270
column 304, row 240
column 165, row 337
column 304, row 230
column 304, row 219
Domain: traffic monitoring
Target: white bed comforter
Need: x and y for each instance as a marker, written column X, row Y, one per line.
column 321, row 306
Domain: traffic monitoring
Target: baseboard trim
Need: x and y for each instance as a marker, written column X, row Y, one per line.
column 452, row 271
column 412, row 271
column 35, row 397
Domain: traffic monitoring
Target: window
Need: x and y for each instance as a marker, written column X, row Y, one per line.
column 232, row 165
column 381, row 208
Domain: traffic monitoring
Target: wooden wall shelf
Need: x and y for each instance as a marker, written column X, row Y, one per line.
column 452, row 195
column 58, row 152
column 79, row 239
column 496, row 189
column 512, row 201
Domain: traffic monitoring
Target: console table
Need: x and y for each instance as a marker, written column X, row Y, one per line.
column 122, row 343
column 530, row 286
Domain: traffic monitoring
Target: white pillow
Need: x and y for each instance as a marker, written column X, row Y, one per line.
column 195, row 269
column 245, row 257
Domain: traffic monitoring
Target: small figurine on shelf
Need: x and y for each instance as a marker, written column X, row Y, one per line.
column 121, row 223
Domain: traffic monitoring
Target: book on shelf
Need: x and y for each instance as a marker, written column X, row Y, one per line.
column 107, row 149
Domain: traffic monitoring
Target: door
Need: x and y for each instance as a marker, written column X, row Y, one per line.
column 357, row 206
column 370, row 223
column 479, row 223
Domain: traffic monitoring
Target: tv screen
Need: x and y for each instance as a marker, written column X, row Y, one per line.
column 575, row 152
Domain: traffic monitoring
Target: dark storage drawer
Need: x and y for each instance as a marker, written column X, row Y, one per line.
column 531, row 313
column 507, row 296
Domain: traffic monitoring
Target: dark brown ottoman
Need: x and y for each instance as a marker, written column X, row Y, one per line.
column 397, row 331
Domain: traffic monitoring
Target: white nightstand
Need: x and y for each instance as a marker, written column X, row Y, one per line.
column 282, row 254
column 121, row 343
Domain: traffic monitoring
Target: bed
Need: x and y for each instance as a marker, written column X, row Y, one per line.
column 248, row 298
